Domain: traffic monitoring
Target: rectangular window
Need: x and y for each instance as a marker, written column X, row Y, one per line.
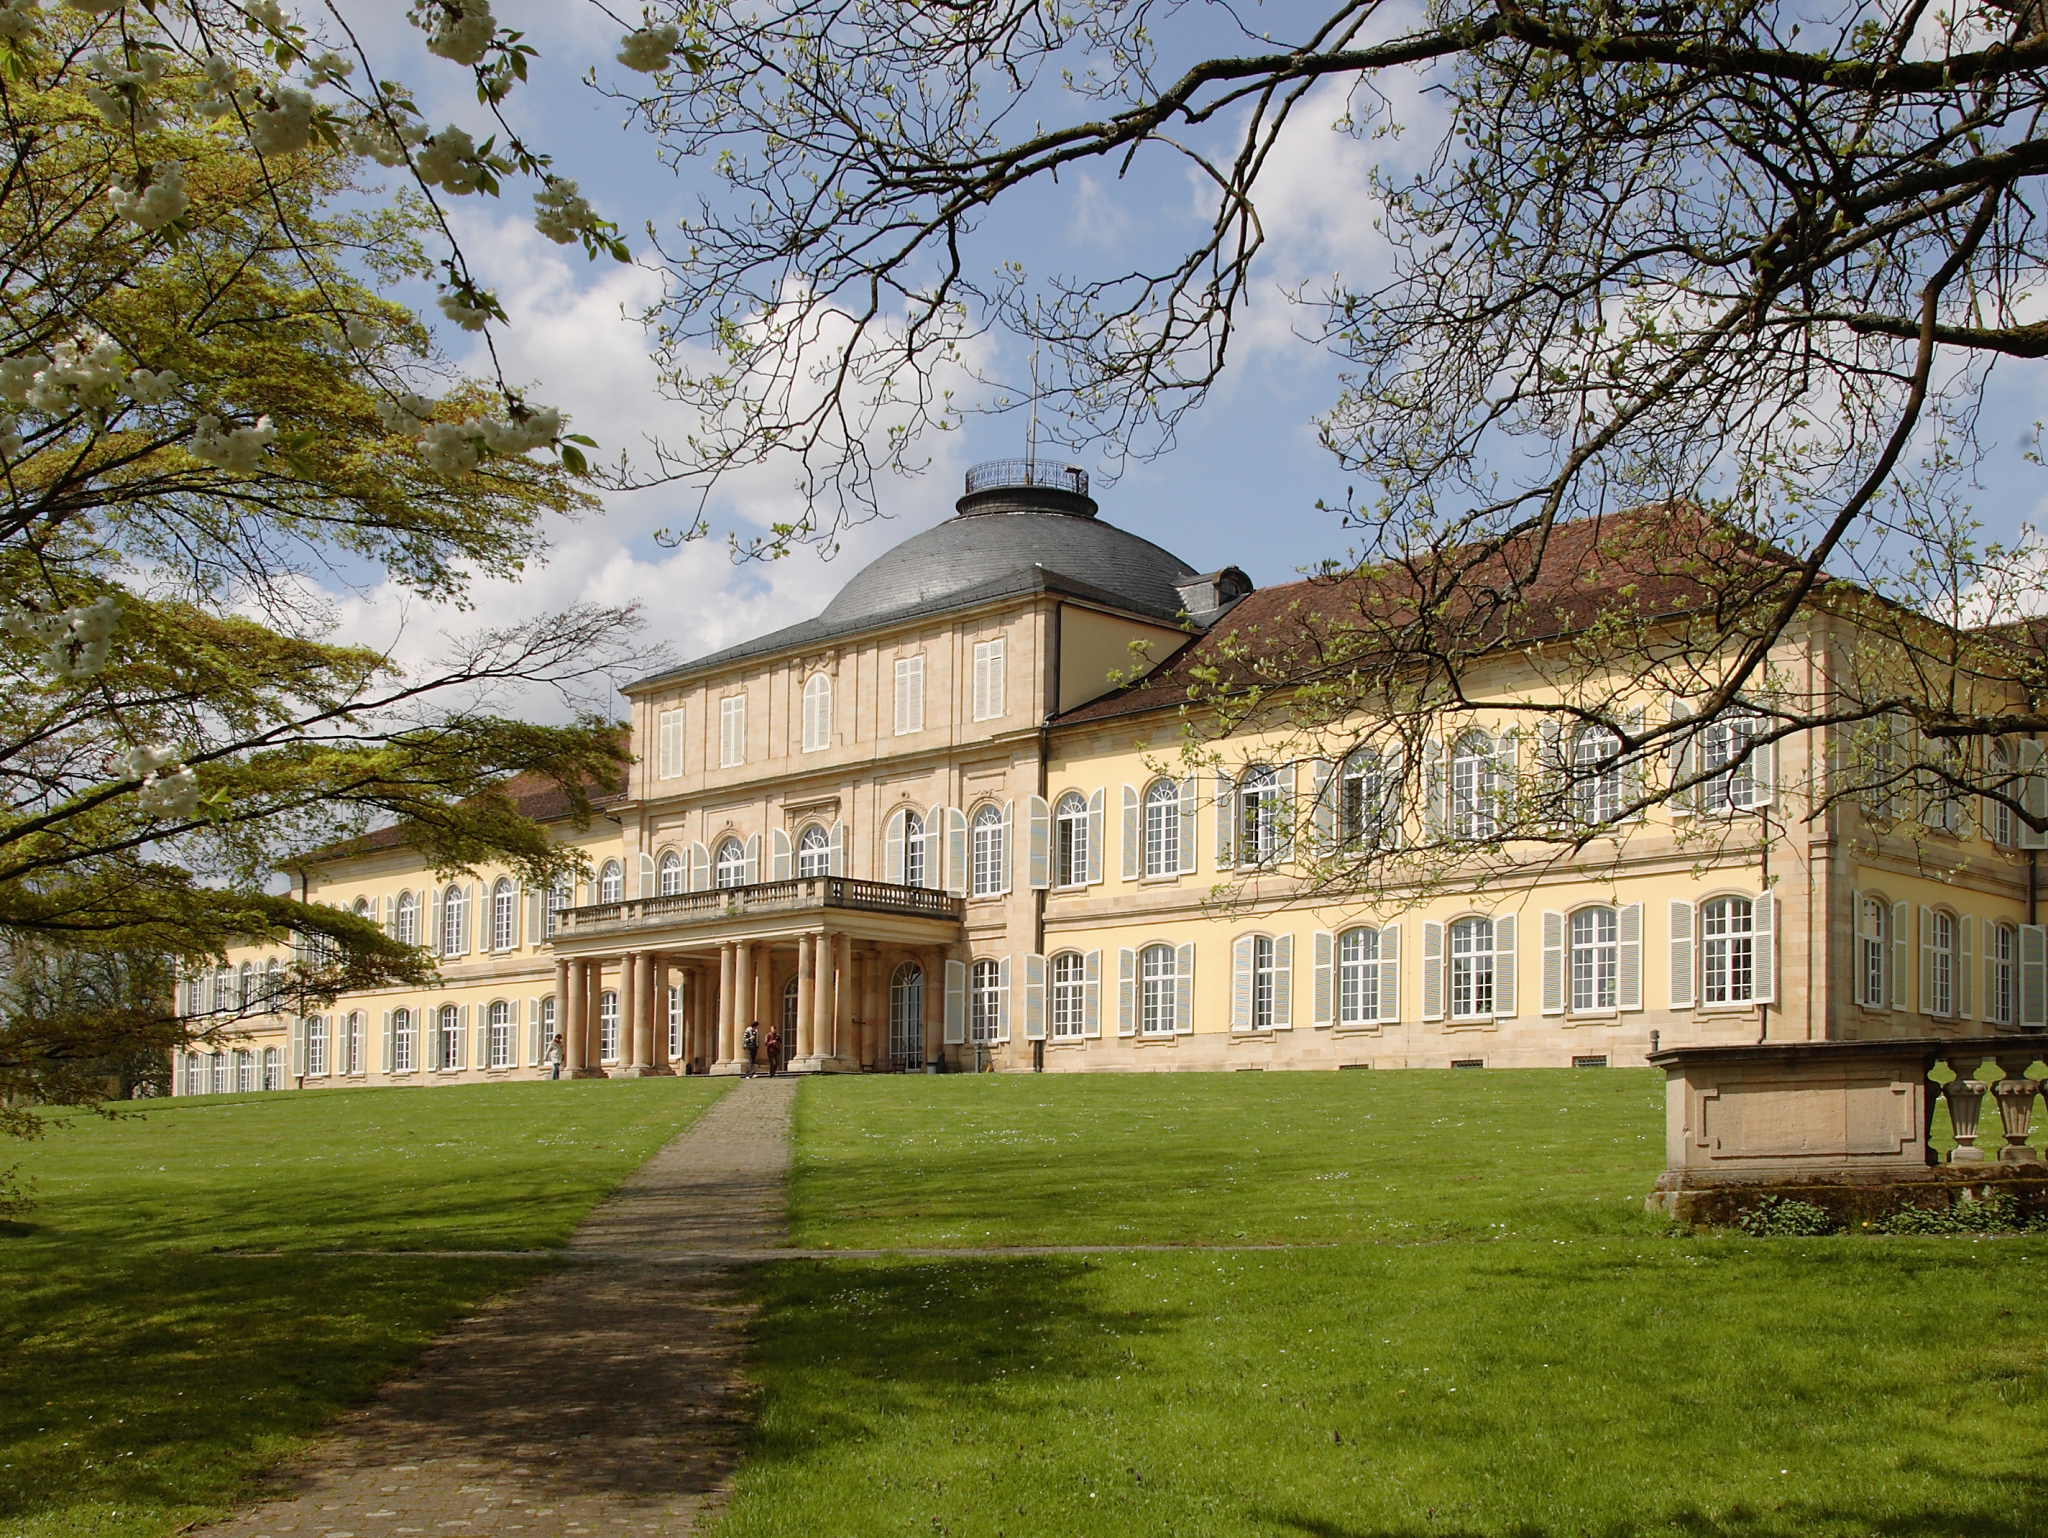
column 732, row 731
column 1870, row 952
column 1358, row 977
column 988, row 680
column 1156, row 984
column 608, row 1027
column 1472, row 969
column 1594, row 954
column 2001, row 974
column 316, row 1048
column 1726, row 746
column 1067, row 996
column 1264, row 975
column 984, row 1003
column 352, row 1052
column 501, row 1035
column 1070, row 842
column 1942, row 952
column 909, row 695
column 1728, row 962
column 404, row 1039
column 670, row 732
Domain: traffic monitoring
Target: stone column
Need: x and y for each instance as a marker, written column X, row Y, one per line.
column 934, row 963
column 659, row 982
column 561, row 1025
column 765, row 1007
column 842, row 998
column 569, row 1009
column 593, row 1017
column 806, row 994
column 874, row 1037
column 650, row 1045
column 728, row 963
column 629, row 1011
column 743, row 996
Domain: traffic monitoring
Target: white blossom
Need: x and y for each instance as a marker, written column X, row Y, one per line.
column 449, row 448
column 75, row 641
column 175, row 794
column 220, row 77
column 360, row 332
column 77, row 375
column 281, row 125
column 470, row 317
column 149, row 389
column 450, row 159
column 10, row 439
column 559, row 212
column 140, row 763
column 18, row 19
column 17, row 374
column 326, row 66
column 375, row 138
column 239, row 449
column 268, row 12
column 648, row 49
column 405, row 412
column 536, row 429
column 123, row 110
column 155, row 205
column 463, row 32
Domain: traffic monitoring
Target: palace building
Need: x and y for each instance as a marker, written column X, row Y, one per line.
column 938, row 824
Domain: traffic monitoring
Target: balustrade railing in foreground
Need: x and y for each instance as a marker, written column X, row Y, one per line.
column 763, row 899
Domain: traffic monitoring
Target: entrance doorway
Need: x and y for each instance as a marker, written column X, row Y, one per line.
column 906, row 1018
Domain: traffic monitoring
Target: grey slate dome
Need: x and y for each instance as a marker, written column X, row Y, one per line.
column 1015, row 516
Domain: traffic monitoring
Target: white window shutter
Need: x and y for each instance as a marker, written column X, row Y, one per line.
column 1504, row 971
column 1553, row 963
column 892, row 849
column 1682, row 758
column 2033, row 796
column 1095, row 830
column 751, row 872
column 1226, row 821
column 1187, row 826
column 837, row 857
column 1091, row 995
column 778, row 855
column 1432, row 970
column 957, row 870
column 1680, row 932
column 934, row 837
column 1436, row 775
column 390, row 1040
column 1632, row 769
column 1390, row 975
column 1003, row 860
column 1241, row 950
column 1034, row 998
column 1133, row 834
column 298, row 1048
column 534, row 1045
column 1288, row 776
column 2033, row 977
column 1126, row 992
column 462, row 1037
column 433, row 915
column 1323, row 810
column 1763, row 770
column 1283, row 982
column 1184, row 990
column 1003, row 1000
column 472, row 921
column 956, row 1003
column 1323, row 1010
column 1764, row 939
column 1895, row 969
column 1038, row 844
column 1628, row 956
column 1926, row 960
column 1965, row 966
column 700, row 868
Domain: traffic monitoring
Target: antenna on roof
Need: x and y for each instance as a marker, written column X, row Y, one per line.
column 1031, row 437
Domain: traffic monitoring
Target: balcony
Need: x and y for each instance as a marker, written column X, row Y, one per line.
column 764, row 899
column 1005, row 474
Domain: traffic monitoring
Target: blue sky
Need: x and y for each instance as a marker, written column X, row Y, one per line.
column 1240, row 487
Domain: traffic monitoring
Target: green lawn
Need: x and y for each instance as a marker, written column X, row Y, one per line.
column 145, row 1376
column 1495, row 1345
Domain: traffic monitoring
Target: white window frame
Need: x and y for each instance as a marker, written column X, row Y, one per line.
column 1265, row 981
column 1723, row 742
column 914, row 872
column 2001, row 974
column 1593, row 960
column 1258, row 816
column 672, row 754
column 1596, row 776
column 730, row 858
column 988, row 851
column 405, row 1040
column 611, row 882
column 504, row 915
column 502, row 1034
column 448, row 1021
column 558, row 898
column 1161, row 844
column 1358, row 976
column 1156, row 984
column 1941, row 945
column 1070, row 840
column 349, row 1058
column 1472, row 982
column 732, row 731
column 316, row 1047
column 817, row 713
column 1727, row 929
column 671, row 876
column 984, row 1003
column 1873, row 919
column 814, row 851
column 1367, row 800
column 608, row 1026
column 454, row 920
column 988, row 680
column 909, row 697
column 1069, row 997
column 2000, row 824
column 1475, row 788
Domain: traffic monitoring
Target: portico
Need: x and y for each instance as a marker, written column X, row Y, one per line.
column 821, row 959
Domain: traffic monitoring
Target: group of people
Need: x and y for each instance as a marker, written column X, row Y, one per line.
column 750, row 1043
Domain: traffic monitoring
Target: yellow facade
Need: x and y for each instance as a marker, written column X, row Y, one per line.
column 926, row 791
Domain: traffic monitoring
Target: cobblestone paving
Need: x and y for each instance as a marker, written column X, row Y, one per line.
column 603, row 1399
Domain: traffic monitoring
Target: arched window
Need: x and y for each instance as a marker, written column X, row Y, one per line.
column 270, row 1073
column 362, row 908
column 1162, row 829
column 2000, row 825
column 669, row 874
column 1475, row 790
column 404, row 1041
column 611, row 882
column 1155, row 991
column 1594, row 957
column 273, row 983
column 244, row 1066
column 1872, row 956
column 219, row 1066
column 454, row 921
column 608, row 1027
column 1265, row 983
column 990, row 857
column 1940, row 961
column 348, row 1049
column 195, row 1074
column 1472, row 969
column 1070, row 840
column 223, row 987
column 2001, row 974
column 1596, row 775
column 1258, row 816
column 245, row 991
column 451, row 1036
column 730, row 865
column 789, row 1000
column 504, row 915
column 1069, row 995
column 1728, row 953
column 814, row 852
column 501, row 1035
column 817, row 713
column 906, row 1017
column 408, row 921
column 913, row 850
column 984, row 1002
column 1358, row 977
column 316, row 1048
column 559, row 897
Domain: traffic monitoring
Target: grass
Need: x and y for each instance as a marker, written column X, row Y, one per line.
column 147, row 1374
column 1519, row 1353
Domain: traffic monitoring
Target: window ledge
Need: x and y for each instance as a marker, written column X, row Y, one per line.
column 1474, row 1023
column 1373, row 1029
column 1592, row 1016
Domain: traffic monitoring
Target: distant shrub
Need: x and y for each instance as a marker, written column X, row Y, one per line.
column 1784, row 1217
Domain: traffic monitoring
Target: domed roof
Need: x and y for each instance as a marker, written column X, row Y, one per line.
column 1002, row 529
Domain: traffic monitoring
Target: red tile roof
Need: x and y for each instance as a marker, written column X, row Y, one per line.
column 533, row 795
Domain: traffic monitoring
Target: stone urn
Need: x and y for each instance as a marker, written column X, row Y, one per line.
column 1965, row 1097
column 2015, row 1099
